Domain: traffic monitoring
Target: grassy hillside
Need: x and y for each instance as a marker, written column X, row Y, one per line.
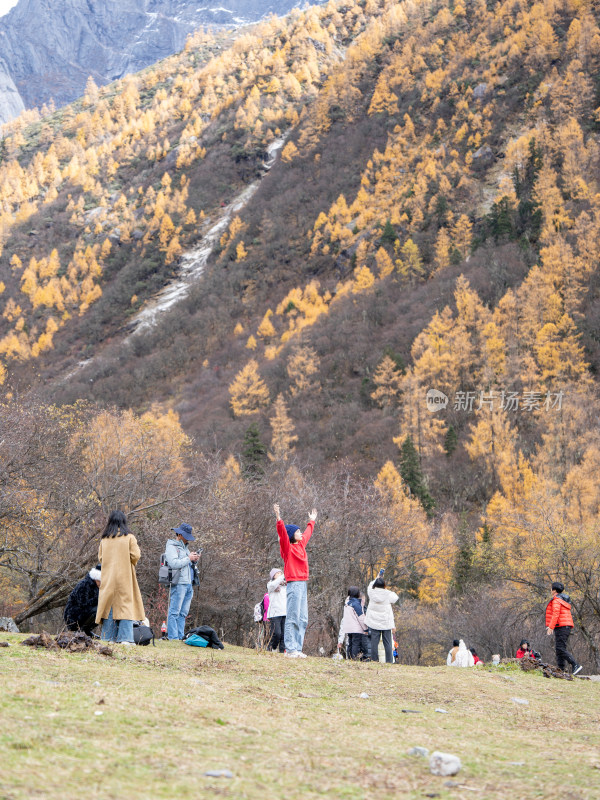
column 296, row 730
column 432, row 221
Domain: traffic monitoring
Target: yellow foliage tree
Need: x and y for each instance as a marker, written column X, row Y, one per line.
column 266, row 329
column 283, row 438
column 289, row 153
column 248, row 392
column 302, row 365
column 387, row 380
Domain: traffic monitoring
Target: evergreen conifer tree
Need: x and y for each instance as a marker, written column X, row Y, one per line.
column 254, row 453
column 411, row 473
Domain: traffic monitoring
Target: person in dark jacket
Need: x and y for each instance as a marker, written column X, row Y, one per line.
column 560, row 621
column 80, row 611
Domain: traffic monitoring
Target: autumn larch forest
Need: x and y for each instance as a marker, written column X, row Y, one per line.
column 422, row 213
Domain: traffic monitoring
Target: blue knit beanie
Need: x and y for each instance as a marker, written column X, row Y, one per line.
column 291, row 530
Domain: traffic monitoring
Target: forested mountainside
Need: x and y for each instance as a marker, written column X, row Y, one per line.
column 48, row 50
column 431, row 222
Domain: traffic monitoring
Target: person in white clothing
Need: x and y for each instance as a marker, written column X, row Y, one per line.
column 277, row 610
column 380, row 617
column 463, row 657
column 353, row 624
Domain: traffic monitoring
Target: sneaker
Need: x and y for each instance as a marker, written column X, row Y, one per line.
column 577, row 668
column 300, row 654
column 128, row 643
column 291, row 654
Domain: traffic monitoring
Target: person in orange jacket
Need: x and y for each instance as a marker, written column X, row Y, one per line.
column 559, row 620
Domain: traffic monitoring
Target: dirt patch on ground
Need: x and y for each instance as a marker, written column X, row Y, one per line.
column 72, row 641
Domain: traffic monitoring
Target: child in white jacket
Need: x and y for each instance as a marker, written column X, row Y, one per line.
column 380, row 618
column 353, row 624
column 277, row 610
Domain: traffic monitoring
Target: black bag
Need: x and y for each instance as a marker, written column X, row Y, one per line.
column 142, row 634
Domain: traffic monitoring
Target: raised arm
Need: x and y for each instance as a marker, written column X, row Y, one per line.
column 284, row 541
column 310, row 527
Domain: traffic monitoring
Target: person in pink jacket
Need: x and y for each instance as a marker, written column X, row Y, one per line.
column 353, row 623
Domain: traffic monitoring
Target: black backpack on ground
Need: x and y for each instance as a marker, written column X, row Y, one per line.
column 142, row 634
column 209, row 634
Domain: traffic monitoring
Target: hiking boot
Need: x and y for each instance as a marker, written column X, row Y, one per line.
column 577, row 668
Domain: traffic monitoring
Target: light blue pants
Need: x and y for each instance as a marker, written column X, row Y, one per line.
column 116, row 630
column 297, row 616
column 180, row 600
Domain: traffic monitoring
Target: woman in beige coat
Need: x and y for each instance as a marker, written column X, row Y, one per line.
column 119, row 601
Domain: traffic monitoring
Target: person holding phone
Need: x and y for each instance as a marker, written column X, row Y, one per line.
column 380, row 617
column 185, row 576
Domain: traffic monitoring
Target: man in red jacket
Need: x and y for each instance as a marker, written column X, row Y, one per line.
column 559, row 620
column 292, row 544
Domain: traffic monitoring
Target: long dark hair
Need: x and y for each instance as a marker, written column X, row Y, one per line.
column 116, row 525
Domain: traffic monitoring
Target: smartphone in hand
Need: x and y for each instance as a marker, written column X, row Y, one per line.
column 381, row 573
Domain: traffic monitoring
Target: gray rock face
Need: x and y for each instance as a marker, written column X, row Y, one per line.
column 484, row 156
column 8, row 624
column 11, row 103
column 49, row 48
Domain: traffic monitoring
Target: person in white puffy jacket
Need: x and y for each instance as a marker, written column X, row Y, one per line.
column 380, row 618
column 462, row 657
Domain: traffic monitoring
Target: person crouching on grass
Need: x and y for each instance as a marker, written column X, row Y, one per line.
column 292, row 544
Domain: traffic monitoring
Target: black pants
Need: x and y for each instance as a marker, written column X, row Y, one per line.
column 561, row 636
column 387, row 643
column 357, row 648
column 277, row 630
column 364, row 648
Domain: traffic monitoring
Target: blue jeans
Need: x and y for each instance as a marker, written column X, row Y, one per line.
column 116, row 630
column 180, row 600
column 297, row 616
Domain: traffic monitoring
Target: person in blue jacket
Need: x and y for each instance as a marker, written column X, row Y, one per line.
column 185, row 576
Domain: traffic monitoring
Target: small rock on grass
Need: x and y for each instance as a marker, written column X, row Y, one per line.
column 4, row 644
column 364, row 695
column 520, row 701
column 441, row 711
column 218, row 773
column 444, row 764
column 418, row 751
